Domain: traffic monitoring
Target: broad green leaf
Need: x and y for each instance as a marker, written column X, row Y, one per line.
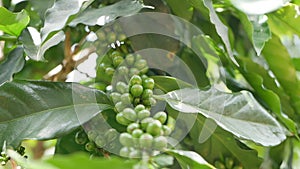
column 257, row 30
column 167, row 83
column 265, row 86
column 258, row 7
column 37, row 51
column 289, row 20
column 106, row 14
column 45, row 110
column 189, row 159
column 41, row 6
column 221, row 144
column 57, row 16
column 281, row 65
column 181, row 8
column 13, row 23
column 296, row 62
column 13, row 64
column 79, row 160
column 238, row 113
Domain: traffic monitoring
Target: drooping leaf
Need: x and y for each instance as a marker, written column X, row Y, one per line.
column 13, row 23
column 219, row 144
column 258, row 7
column 79, row 160
column 265, row 86
column 238, row 113
column 57, row 16
column 37, row 51
column 181, row 8
column 189, row 159
column 106, row 14
column 45, row 110
column 13, row 64
column 289, row 20
column 281, row 65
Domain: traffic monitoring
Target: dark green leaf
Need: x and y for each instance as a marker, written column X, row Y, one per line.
column 106, row 14
column 67, row 144
column 57, row 16
column 281, row 65
column 41, row 6
column 37, row 51
column 189, row 159
column 13, row 64
column 13, row 23
column 181, row 8
column 45, row 110
column 167, row 83
column 238, row 113
column 213, row 143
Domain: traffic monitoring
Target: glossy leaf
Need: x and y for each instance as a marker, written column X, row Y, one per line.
column 106, row 14
column 13, row 23
column 281, row 65
column 238, row 113
column 167, row 83
column 220, row 144
column 57, row 16
column 189, row 159
column 181, row 8
column 13, row 64
column 37, row 51
column 45, row 110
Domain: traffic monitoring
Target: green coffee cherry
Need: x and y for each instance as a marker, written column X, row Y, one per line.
column 145, row 122
column 122, row 87
column 147, row 93
column 139, row 107
column 148, row 83
column 138, row 57
column 135, row 79
column 143, row 114
column 161, row 116
column 81, row 137
column 160, row 143
column 92, row 134
column 122, row 36
column 126, row 98
column 122, row 120
column 129, row 114
column 136, row 90
column 124, row 152
column 110, row 135
column 100, row 141
column 166, row 130
column 135, row 154
column 117, row 60
column 132, row 127
column 219, row 165
column 137, row 133
column 111, row 37
column 126, row 139
column 149, row 102
column 130, row 59
column 120, row 106
column 146, row 140
column 144, row 70
column 115, row 54
column 109, row 71
column 116, row 97
column 123, row 70
column 90, row 146
column 229, row 162
column 154, row 128
column 133, row 71
column 136, row 101
column 140, row 64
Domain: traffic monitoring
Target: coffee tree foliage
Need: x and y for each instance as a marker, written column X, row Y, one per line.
column 150, row 84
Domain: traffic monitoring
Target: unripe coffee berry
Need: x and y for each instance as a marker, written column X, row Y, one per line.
column 136, row 90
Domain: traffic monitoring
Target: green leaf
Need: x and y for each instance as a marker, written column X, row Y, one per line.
column 41, row 6
column 106, row 14
column 37, row 51
column 57, row 16
column 79, row 160
column 167, row 83
column 238, row 113
column 189, row 159
column 181, row 8
column 221, row 144
column 13, row 64
column 266, row 88
column 281, row 65
column 67, row 144
column 13, row 23
column 289, row 20
column 45, row 110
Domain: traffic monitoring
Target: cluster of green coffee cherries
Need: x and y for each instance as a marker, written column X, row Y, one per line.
column 227, row 163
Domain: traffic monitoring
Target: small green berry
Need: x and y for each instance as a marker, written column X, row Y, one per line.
column 129, row 114
column 100, row 141
column 90, row 146
column 137, row 133
column 147, row 93
column 132, row 127
column 161, row 116
column 143, row 114
column 146, row 140
column 117, row 60
column 122, row 120
column 122, row 87
column 110, row 135
column 130, row 59
column 139, row 107
column 135, row 79
column 136, row 90
column 116, row 97
column 148, row 83
column 154, row 128
column 160, row 143
column 126, row 139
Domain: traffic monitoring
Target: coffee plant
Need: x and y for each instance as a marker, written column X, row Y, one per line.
column 140, row 84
